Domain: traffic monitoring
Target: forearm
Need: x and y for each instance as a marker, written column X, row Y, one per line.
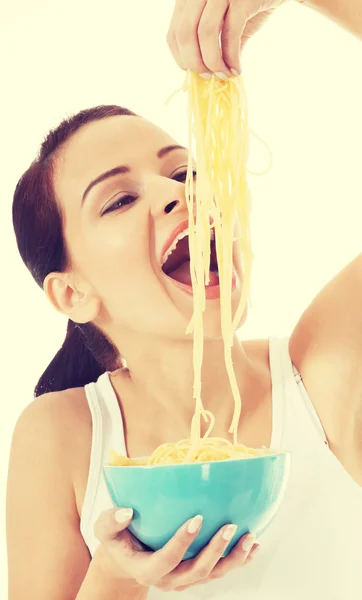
column 347, row 13
column 99, row 585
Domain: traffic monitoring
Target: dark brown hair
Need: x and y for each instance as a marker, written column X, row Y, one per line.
column 86, row 352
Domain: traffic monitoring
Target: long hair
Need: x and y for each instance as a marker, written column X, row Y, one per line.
column 86, row 352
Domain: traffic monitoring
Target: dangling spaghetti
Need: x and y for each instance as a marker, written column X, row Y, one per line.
column 218, row 123
column 220, row 200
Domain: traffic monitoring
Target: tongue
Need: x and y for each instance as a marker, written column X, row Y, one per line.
column 214, row 278
column 182, row 275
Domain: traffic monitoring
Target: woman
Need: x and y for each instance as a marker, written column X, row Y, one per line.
column 92, row 215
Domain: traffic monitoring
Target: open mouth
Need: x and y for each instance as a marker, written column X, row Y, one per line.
column 176, row 264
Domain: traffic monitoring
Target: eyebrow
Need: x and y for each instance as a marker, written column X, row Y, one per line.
column 161, row 153
column 126, row 169
column 116, row 171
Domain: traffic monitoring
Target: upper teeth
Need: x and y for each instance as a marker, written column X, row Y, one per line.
column 173, row 245
column 176, row 241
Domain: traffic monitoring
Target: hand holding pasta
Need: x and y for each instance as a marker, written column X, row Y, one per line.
column 124, row 557
column 207, row 36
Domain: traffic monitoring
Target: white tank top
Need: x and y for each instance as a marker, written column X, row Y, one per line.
column 313, row 549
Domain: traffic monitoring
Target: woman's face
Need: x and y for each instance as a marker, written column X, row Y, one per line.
column 120, row 184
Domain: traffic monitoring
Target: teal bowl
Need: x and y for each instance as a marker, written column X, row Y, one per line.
column 246, row 492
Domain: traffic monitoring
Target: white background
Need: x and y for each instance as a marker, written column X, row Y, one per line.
column 303, row 75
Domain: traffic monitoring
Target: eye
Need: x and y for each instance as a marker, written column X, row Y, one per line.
column 181, row 175
column 120, row 203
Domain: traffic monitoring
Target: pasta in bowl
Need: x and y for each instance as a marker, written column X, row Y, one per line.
column 246, row 491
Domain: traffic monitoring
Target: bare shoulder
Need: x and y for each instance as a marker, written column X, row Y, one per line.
column 54, row 415
column 57, row 426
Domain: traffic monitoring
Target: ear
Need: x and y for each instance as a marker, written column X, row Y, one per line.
column 77, row 302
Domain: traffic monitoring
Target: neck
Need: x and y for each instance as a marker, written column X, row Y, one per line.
column 160, row 372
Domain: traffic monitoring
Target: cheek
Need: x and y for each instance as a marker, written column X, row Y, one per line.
column 117, row 261
column 118, row 265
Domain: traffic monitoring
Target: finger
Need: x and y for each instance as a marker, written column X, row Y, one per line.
column 236, row 558
column 205, row 562
column 169, row 557
column 171, row 37
column 199, row 568
column 232, row 31
column 187, row 37
column 220, row 570
column 111, row 522
column 253, row 552
column 209, row 29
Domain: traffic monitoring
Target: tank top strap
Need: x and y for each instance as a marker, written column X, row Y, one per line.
column 114, row 429
column 95, row 460
column 107, row 434
column 298, row 413
column 277, row 372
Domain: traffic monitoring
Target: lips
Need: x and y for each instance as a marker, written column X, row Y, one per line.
column 212, row 292
column 181, row 227
column 175, row 262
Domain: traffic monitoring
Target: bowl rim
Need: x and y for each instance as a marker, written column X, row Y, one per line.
column 200, row 463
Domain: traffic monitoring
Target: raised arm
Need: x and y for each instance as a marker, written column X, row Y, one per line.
column 347, row 13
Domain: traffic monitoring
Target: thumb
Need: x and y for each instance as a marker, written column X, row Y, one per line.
column 111, row 522
column 253, row 25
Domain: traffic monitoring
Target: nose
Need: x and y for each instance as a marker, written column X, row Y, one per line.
column 171, row 206
column 166, row 196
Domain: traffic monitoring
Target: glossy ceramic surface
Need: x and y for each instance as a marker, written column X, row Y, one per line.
column 247, row 492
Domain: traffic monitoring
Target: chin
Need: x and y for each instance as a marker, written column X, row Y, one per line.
column 212, row 316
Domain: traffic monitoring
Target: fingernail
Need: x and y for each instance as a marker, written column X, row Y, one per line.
column 194, row 524
column 205, row 75
column 123, row 514
column 248, row 543
column 235, row 72
column 229, row 532
column 222, row 76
